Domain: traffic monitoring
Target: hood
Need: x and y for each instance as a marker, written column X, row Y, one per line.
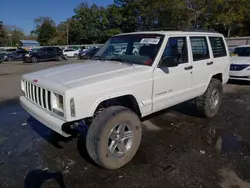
column 240, row 60
column 79, row 74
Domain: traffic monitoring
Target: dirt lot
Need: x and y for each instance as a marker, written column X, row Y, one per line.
column 179, row 149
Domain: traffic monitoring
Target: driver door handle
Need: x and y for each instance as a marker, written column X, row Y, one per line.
column 188, row 68
column 210, row 63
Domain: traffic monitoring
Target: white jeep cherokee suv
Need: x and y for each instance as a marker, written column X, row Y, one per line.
column 111, row 93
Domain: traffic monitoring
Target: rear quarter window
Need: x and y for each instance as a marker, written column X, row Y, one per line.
column 218, row 46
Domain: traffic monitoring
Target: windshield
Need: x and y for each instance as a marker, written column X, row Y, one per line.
column 241, row 51
column 135, row 48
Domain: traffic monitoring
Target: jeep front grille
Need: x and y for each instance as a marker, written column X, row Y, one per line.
column 38, row 95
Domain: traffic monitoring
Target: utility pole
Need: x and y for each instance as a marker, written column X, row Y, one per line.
column 67, row 33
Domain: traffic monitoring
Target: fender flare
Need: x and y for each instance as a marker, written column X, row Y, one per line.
column 113, row 96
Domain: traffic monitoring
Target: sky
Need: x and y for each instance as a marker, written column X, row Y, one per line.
column 21, row 13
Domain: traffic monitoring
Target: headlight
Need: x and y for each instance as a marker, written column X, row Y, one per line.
column 57, row 104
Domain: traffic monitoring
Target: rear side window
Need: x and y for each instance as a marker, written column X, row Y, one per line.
column 50, row 49
column 218, row 46
column 199, row 48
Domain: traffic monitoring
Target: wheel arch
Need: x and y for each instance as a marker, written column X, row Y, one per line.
column 126, row 100
column 218, row 76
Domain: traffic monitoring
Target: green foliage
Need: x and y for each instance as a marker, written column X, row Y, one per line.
column 16, row 36
column 3, row 35
column 45, row 30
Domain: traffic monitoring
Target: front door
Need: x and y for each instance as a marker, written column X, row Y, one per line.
column 173, row 76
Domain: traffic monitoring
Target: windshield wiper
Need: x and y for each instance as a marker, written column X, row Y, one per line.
column 98, row 57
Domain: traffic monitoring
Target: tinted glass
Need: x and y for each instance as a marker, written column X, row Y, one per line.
column 199, row 48
column 176, row 50
column 10, row 50
column 218, row 46
column 50, row 50
column 241, row 51
column 146, row 46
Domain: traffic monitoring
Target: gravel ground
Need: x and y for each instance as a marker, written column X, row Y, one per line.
column 179, row 149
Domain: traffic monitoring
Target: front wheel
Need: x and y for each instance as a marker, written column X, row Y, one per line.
column 209, row 103
column 114, row 137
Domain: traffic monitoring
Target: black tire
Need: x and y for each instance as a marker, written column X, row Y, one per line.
column 33, row 60
column 98, row 136
column 59, row 58
column 9, row 59
column 75, row 55
column 65, row 57
column 204, row 102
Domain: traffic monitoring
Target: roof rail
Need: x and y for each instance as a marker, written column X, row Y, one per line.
column 183, row 29
column 201, row 30
column 164, row 29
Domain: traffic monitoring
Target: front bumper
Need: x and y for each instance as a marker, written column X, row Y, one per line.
column 240, row 75
column 48, row 120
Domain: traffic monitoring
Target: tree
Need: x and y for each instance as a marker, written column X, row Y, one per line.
column 3, row 35
column 45, row 30
column 231, row 14
column 16, row 36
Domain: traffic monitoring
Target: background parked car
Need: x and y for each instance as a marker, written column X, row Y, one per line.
column 88, row 54
column 240, row 63
column 2, row 56
column 44, row 54
column 69, row 52
column 16, row 55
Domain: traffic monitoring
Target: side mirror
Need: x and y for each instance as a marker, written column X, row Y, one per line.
column 169, row 62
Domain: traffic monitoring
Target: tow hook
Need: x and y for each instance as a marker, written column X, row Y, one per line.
column 79, row 126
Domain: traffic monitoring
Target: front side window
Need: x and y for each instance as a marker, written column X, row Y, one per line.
column 218, row 46
column 199, row 48
column 175, row 52
column 135, row 48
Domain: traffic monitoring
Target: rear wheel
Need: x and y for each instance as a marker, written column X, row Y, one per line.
column 210, row 101
column 114, row 137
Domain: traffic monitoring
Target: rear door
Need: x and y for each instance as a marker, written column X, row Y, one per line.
column 221, row 58
column 202, row 62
